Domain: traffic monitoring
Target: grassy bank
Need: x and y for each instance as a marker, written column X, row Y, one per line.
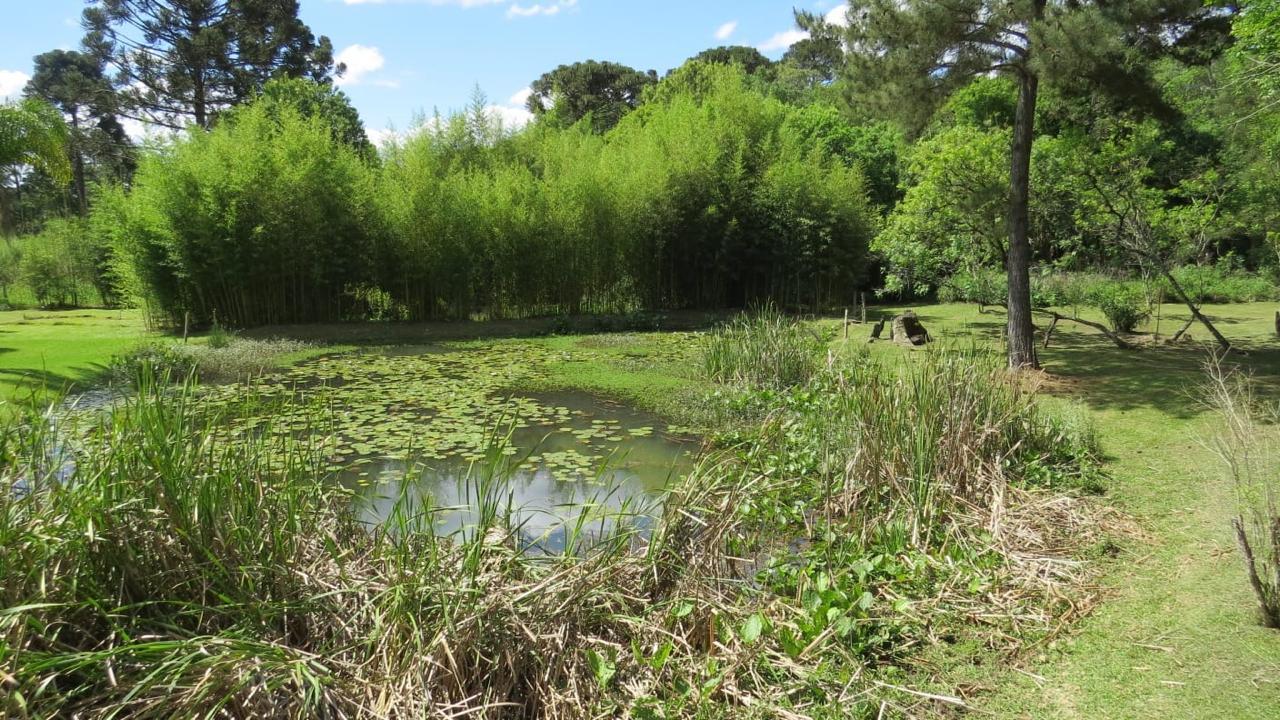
column 1176, row 634
column 844, row 522
column 1170, row 628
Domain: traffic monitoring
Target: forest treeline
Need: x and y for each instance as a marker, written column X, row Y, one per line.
column 733, row 180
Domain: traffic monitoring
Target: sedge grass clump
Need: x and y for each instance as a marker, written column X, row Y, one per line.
column 149, row 568
column 763, row 349
column 230, row 359
column 1248, row 444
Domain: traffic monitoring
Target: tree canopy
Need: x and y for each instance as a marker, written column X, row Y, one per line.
column 603, row 91
column 180, row 61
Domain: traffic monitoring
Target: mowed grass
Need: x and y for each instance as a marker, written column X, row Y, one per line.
column 44, row 352
column 1177, row 634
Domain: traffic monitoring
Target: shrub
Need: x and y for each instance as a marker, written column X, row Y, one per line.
column 1222, row 282
column 1124, row 304
column 984, row 286
column 265, row 219
column 10, row 267
column 764, row 349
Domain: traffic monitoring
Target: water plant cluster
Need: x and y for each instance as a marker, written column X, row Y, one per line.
column 152, row 564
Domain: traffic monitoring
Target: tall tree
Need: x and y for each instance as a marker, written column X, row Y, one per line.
column 604, row 90
column 751, row 59
column 180, row 61
column 32, row 135
column 74, row 83
column 913, row 53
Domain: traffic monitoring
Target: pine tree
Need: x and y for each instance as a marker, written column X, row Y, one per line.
column 180, row 61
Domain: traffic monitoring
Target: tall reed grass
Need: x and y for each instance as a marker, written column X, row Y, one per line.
column 1248, row 444
column 148, row 570
column 762, row 348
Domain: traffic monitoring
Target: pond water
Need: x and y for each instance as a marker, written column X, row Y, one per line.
column 437, row 431
column 598, row 463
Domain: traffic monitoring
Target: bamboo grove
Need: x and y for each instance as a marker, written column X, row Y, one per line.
column 711, row 194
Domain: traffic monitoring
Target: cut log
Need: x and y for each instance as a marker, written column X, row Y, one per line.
column 1278, row 322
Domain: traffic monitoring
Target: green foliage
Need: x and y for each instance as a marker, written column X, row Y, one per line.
column 10, row 268
column 1124, row 304
column 59, row 266
column 764, row 349
column 751, row 60
column 1222, row 282
column 955, row 212
column 316, row 100
column 267, row 218
column 602, row 91
column 182, row 61
column 982, row 286
column 705, row 197
column 33, row 133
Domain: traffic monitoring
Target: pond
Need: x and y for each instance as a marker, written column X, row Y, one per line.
column 439, row 430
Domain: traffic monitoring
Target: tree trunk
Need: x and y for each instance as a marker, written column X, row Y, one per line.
column 1021, row 332
column 1195, row 311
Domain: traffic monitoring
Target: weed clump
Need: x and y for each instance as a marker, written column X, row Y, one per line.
column 1249, row 446
column 224, row 359
column 763, row 348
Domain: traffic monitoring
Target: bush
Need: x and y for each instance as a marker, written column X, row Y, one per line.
column 706, row 197
column 762, row 349
column 1123, row 303
column 1222, row 282
column 984, row 286
column 266, row 219
column 58, row 267
column 10, row 268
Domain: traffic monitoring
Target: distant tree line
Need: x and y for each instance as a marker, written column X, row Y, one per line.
column 894, row 149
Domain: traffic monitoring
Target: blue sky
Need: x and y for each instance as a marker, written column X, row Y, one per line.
column 411, row 56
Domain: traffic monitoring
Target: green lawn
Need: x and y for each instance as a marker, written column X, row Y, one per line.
column 1176, row 635
column 44, row 351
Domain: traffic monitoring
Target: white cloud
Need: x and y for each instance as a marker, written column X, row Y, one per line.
column 838, row 16
column 12, row 82
column 513, row 117
column 521, row 98
column 360, row 61
column 783, row 40
column 724, row 31
column 550, row 8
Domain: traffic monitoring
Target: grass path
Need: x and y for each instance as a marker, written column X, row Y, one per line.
column 1177, row 634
